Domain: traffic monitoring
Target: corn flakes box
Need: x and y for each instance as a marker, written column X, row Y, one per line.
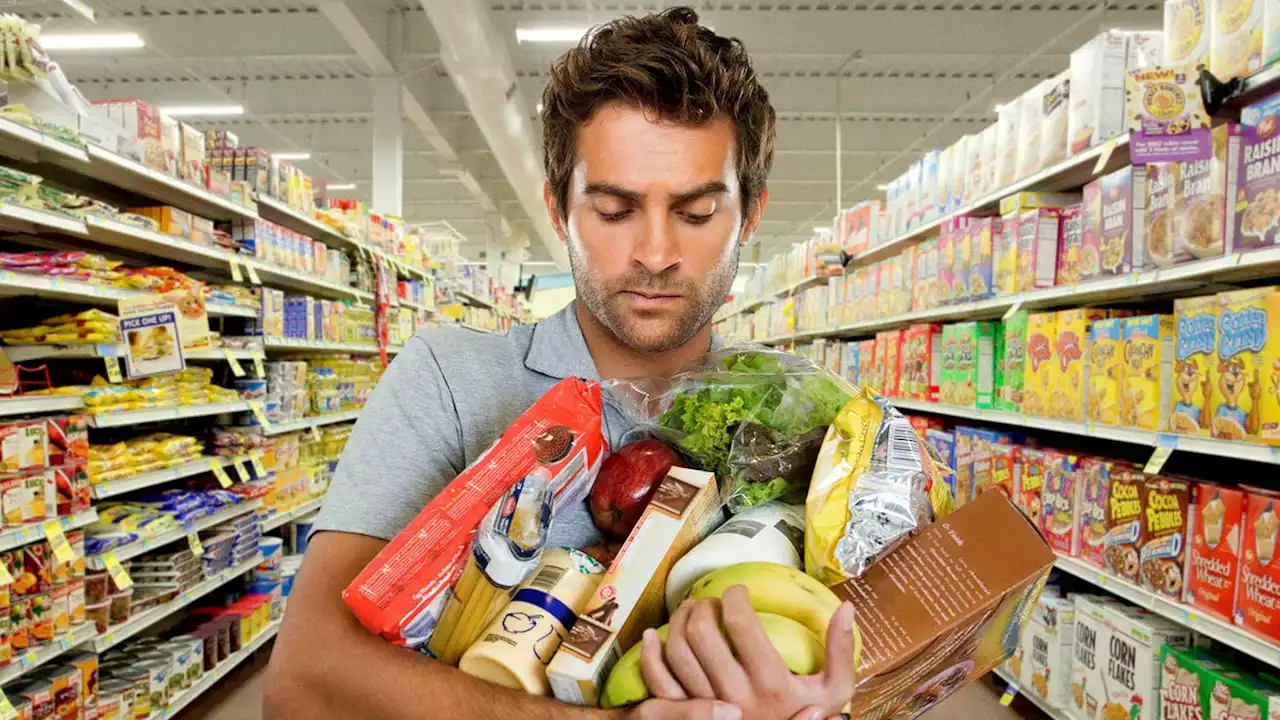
column 1123, row 234
column 982, row 236
column 974, row 364
column 1039, row 231
column 1106, row 368
column 1247, row 327
column 1148, row 372
column 1235, row 39
column 1069, row 249
column 1194, row 364
column 946, row 259
column 1187, row 32
column 1013, row 352
column 1067, row 377
column 1088, row 671
column 1132, row 659
column 960, row 257
column 1255, row 216
column 889, row 346
column 1037, row 371
column 1095, row 477
column 1050, row 636
column 1005, row 252
column 947, row 376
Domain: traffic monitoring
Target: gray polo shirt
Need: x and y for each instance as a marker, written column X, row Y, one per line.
column 447, row 397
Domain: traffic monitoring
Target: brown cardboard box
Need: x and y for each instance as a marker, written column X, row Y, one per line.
column 946, row 607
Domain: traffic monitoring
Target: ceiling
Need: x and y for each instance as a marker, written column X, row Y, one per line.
column 909, row 76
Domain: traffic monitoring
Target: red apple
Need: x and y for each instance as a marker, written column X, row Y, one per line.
column 626, row 481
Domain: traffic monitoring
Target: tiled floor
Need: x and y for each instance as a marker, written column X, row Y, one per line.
column 239, row 697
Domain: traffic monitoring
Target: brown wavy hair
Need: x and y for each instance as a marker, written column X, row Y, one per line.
column 668, row 64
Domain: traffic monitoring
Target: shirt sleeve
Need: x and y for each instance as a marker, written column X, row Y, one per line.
column 405, row 448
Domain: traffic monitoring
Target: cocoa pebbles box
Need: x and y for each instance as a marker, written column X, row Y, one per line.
column 924, row 636
column 401, row 593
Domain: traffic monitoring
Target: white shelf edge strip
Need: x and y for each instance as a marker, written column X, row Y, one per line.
column 289, row 516
column 33, row 659
column 27, row 534
column 23, row 405
column 137, row 623
column 314, row 421
column 212, row 677
column 198, row 466
column 146, row 415
column 139, row 547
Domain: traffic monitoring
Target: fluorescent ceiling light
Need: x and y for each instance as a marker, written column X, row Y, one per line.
column 550, row 34
column 292, row 156
column 91, row 41
column 539, row 107
column 201, row 110
column 342, row 186
column 822, row 229
column 883, row 187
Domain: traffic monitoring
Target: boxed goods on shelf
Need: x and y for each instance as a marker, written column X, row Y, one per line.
column 1247, row 349
column 1162, row 555
column 1148, row 371
column 1096, row 111
column 1046, row 648
column 1215, row 549
column 1106, row 369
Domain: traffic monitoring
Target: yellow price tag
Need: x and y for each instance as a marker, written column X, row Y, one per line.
column 1013, row 310
column 1166, row 444
column 253, row 273
column 258, row 468
column 236, row 275
column 30, row 659
column 315, row 433
column 241, row 471
column 257, row 363
column 117, row 572
column 113, row 369
column 197, row 548
column 258, row 414
column 1105, row 156
column 58, row 540
column 223, row 478
column 1007, row 699
column 6, row 708
column 236, row 368
column 5, row 577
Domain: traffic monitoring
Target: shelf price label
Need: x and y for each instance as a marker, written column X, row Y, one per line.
column 1165, row 445
column 1013, row 310
column 236, row 275
column 1105, row 155
column 117, row 572
column 113, row 369
column 257, row 355
column 253, row 273
column 315, row 433
column 258, row 468
column 58, row 541
column 223, row 478
column 197, row 548
column 1010, row 693
column 5, row 578
column 236, row 368
column 258, row 414
column 241, row 470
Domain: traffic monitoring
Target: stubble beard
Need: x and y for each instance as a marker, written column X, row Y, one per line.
column 700, row 300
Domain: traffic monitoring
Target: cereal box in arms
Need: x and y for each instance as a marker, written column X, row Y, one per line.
column 1123, row 237
column 1005, row 260
column 1096, row 112
column 1013, row 361
column 1106, row 369
column 1148, row 372
column 1235, row 45
column 1095, row 475
column 1069, row 248
column 1187, row 32
column 1068, row 376
column 981, row 247
column 961, row 253
column 1194, row 364
column 1132, row 659
column 1037, row 375
column 1165, row 245
column 1088, row 671
column 914, row 656
column 402, row 591
column 1062, row 500
column 1051, row 635
column 1246, row 337
column 1201, row 191
column 1257, row 191
column 1258, row 598
column 1054, row 104
column 1215, row 549
column 1163, row 554
column 975, row 364
column 1126, row 522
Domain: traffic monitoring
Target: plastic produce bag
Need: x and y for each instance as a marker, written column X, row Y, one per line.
column 754, row 417
column 874, row 485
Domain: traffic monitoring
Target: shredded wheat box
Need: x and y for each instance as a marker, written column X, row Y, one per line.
column 685, row 508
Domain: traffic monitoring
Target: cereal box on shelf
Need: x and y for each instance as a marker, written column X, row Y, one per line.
column 1046, row 669
column 1257, row 178
column 1198, row 683
column 1096, row 112
column 1146, row 49
column 1163, row 553
column 947, row 376
column 1030, row 483
column 1037, row 374
column 1126, row 522
column 1123, row 239
column 981, row 248
column 1030, row 126
column 1215, row 549
column 1235, row 43
column 1095, row 477
column 889, row 347
column 1165, row 245
column 1089, row 650
column 884, row 288
column 1068, row 272
column 1005, row 255
column 959, row 172
column 1106, row 368
column 1091, row 231
column 947, row 240
column 1068, row 375
column 1195, row 364
column 961, row 253
column 990, row 139
column 922, row 290
column 1248, row 343
column 1003, row 459
column 1132, row 660
column 1148, row 372
column 966, row 446
column 944, row 444
column 922, row 364
column 1258, row 598
column 1062, row 499
column 1007, row 135
column 1039, row 231
column 909, row 258
column 931, row 201
column 975, row 185
column 1201, row 190
column 974, row 364
column 868, row 371
column 1013, row 360
column 1054, row 106
column 24, row 445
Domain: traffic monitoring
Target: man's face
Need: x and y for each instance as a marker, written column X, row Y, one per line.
column 654, row 224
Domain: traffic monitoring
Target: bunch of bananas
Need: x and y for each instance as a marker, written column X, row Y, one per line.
column 793, row 608
column 475, row 602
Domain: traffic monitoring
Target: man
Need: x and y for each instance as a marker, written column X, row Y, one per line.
column 658, row 142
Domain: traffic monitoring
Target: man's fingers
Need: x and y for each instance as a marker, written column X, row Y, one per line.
column 840, row 673
column 680, row 658
column 754, row 649
column 661, row 683
column 658, row 709
column 707, row 642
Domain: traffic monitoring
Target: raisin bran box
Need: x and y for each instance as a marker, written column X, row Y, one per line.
column 1256, row 187
column 1123, row 236
column 923, row 638
column 1215, row 549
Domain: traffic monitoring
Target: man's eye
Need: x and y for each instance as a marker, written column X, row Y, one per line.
column 695, row 219
column 614, row 217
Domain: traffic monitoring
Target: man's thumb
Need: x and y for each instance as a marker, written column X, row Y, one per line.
column 840, row 672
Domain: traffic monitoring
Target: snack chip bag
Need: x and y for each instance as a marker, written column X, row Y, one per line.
column 875, row 483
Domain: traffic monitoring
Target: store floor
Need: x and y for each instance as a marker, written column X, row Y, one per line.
column 239, row 697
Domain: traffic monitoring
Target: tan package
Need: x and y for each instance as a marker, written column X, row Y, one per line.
column 1053, row 121
column 945, row 607
column 630, row 598
column 1006, row 169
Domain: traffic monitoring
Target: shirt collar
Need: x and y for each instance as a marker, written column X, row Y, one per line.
column 558, row 349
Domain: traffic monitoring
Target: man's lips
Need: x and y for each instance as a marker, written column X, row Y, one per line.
column 648, row 300
column 650, row 295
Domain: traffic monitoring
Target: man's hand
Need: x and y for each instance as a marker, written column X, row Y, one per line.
column 659, row 709
column 740, row 664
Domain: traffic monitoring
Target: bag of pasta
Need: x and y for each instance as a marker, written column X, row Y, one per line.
column 875, row 483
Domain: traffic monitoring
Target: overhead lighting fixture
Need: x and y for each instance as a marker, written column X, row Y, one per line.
column 550, row 35
column 997, row 107
column 91, row 41
column 882, row 187
column 539, row 107
column 822, row 229
column 342, row 186
column 201, row 110
column 291, row 155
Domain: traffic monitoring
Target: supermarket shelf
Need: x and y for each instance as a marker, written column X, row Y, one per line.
column 19, row 284
column 318, row 345
column 783, row 292
column 1036, row 700
column 24, row 663
column 1223, row 632
column 29, row 145
column 134, row 549
column 17, row 218
column 137, row 482
column 136, row 417
column 219, row 354
column 281, row 214
column 1183, row 443
column 29, row 353
column 17, row 537
column 211, row 678
column 216, row 309
column 1121, row 288
column 145, row 619
column 289, row 516
column 315, row 421
column 34, row 404
column 296, row 280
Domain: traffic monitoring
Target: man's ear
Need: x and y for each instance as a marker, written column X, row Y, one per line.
column 553, row 211
column 754, row 214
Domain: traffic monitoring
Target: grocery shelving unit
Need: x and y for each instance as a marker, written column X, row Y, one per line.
column 314, row 421
column 198, row 466
column 33, row 659
column 35, row 404
column 284, row 518
column 1040, row 703
column 137, row 417
column 27, row 534
column 211, row 678
column 138, row 547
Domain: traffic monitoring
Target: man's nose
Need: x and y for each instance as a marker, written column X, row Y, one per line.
column 657, row 249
